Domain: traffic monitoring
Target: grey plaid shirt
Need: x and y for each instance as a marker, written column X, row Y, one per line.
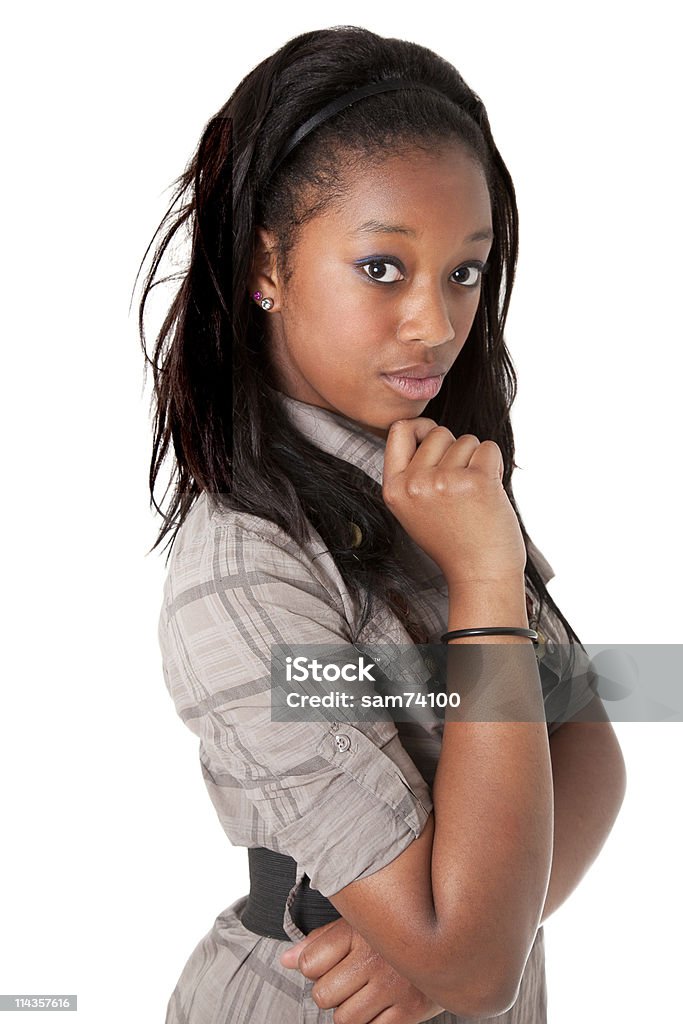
column 237, row 584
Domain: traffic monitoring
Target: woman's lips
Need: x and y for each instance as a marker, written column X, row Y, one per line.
column 414, row 387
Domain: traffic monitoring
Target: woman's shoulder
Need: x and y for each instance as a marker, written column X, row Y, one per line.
column 216, row 541
column 208, row 523
column 260, row 533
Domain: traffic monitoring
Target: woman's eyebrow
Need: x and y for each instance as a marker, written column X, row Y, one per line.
column 376, row 227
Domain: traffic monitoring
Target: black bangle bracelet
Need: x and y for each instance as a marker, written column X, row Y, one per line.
column 491, row 631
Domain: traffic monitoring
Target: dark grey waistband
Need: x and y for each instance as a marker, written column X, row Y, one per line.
column 271, row 876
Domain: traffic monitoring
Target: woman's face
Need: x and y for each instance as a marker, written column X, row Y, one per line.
column 387, row 280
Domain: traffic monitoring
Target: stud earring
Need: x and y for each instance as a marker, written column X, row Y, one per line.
column 264, row 303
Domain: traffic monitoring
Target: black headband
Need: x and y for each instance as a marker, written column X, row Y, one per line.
column 387, row 85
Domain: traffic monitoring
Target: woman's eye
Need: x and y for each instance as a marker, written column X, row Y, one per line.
column 473, row 273
column 373, row 265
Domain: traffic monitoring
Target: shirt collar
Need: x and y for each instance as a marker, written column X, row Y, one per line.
column 336, row 434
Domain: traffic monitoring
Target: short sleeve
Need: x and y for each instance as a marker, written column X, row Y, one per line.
column 567, row 676
column 342, row 799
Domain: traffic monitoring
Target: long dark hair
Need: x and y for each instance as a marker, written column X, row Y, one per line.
column 211, row 345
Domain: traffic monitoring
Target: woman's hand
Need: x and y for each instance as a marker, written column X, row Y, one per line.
column 447, row 493
column 350, row 975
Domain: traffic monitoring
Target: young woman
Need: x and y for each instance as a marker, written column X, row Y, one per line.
column 334, row 385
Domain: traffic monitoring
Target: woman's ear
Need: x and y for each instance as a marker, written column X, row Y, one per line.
column 263, row 274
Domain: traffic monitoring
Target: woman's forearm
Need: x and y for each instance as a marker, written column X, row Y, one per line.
column 474, row 881
column 589, row 780
column 589, row 783
column 493, row 803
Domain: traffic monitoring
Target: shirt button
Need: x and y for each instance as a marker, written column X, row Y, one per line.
column 334, row 726
column 343, row 742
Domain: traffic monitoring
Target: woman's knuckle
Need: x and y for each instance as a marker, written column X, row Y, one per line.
column 321, row 996
column 340, row 1016
column 395, row 1014
column 304, row 963
column 397, row 425
column 389, row 493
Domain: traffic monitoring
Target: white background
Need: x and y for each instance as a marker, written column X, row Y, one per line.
column 113, row 861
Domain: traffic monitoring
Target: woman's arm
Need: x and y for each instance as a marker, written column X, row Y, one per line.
column 589, row 783
column 457, row 912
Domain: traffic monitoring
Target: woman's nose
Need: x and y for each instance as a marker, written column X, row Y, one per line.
column 431, row 328
column 430, row 323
